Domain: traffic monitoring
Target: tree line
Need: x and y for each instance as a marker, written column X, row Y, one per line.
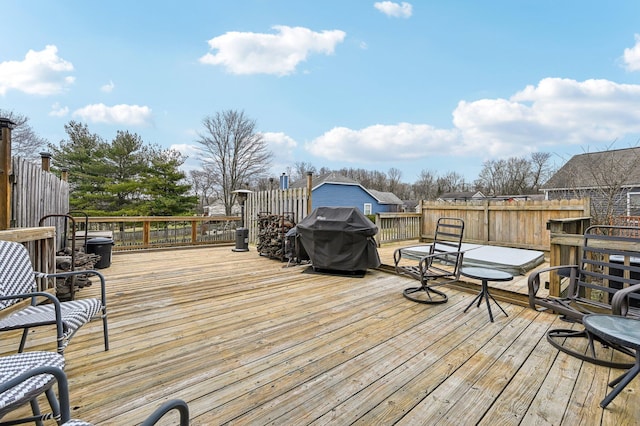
column 127, row 176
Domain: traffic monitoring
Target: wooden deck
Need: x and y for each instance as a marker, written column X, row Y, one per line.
column 245, row 340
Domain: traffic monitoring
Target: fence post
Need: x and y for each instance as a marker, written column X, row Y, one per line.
column 6, row 126
column 309, row 187
column 45, row 158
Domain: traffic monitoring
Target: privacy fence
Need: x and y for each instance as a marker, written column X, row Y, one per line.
column 518, row 224
column 36, row 193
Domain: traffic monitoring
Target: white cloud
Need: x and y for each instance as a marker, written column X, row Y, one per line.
column 192, row 152
column 631, row 56
column 134, row 115
column 40, row 73
column 396, row 10
column 58, row 110
column 283, row 149
column 553, row 113
column 556, row 111
column 108, row 88
column 382, row 143
column 279, row 54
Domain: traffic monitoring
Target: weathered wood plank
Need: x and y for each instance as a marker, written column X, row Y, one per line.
column 245, row 340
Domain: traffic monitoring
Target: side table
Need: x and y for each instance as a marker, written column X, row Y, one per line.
column 485, row 275
column 622, row 331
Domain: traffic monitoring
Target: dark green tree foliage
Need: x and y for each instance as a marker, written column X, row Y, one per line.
column 126, row 161
column 165, row 188
column 121, row 178
column 81, row 154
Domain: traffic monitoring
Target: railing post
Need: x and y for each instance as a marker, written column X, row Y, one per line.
column 6, row 126
column 146, row 233
column 194, row 231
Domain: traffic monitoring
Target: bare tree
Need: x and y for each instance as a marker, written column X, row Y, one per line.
column 234, row 151
column 394, row 176
column 515, row 175
column 300, row 170
column 541, row 170
column 25, row 142
column 450, row 182
column 426, row 187
column 203, row 184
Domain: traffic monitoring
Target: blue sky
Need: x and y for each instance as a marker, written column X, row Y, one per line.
column 424, row 85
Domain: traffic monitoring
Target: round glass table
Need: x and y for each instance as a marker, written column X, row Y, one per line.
column 485, row 275
column 622, row 331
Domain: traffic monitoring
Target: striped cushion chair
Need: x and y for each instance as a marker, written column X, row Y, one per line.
column 31, row 378
column 17, row 282
column 23, row 377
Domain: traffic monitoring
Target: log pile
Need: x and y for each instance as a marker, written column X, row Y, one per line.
column 271, row 234
column 83, row 261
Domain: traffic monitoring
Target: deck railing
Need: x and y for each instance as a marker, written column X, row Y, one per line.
column 397, row 227
column 141, row 232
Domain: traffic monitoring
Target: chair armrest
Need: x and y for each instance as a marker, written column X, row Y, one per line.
column 52, row 298
column 33, row 295
column 397, row 254
column 63, row 387
column 173, row 404
column 533, row 281
column 620, row 300
column 428, row 258
column 103, row 285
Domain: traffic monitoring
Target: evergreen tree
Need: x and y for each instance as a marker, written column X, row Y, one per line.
column 123, row 178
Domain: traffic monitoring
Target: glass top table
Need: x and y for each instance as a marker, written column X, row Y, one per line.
column 485, row 275
column 622, row 331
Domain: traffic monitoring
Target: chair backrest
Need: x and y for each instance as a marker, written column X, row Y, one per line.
column 448, row 238
column 610, row 261
column 16, row 272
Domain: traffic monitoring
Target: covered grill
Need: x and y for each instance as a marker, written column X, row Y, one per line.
column 339, row 238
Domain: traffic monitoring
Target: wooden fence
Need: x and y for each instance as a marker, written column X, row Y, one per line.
column 397, row 227
column 518, row 224
column 35, row 194
column 293, row 203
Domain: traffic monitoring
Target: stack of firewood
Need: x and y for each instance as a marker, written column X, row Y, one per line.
column 271, row 234
column 66, row 287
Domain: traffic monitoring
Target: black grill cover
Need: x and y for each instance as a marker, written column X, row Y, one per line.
column 339, row 238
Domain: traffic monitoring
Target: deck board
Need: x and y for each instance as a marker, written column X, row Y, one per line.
column 246, row 340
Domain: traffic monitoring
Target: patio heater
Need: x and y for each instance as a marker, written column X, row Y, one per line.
column 242, row 233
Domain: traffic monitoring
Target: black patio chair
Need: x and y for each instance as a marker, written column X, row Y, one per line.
column 606, row 280
column 440, row 265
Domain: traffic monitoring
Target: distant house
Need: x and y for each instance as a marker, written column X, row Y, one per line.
column 217, row 209
column 611, row 179
column 461, row 196
column 336, row 190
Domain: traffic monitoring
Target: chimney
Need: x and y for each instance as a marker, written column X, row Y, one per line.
column 284, row 181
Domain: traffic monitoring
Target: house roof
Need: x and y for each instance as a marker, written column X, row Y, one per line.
column 589, row 170
column 467, row 195
column 332, row 177
column 338, row 179
column 385, row 197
